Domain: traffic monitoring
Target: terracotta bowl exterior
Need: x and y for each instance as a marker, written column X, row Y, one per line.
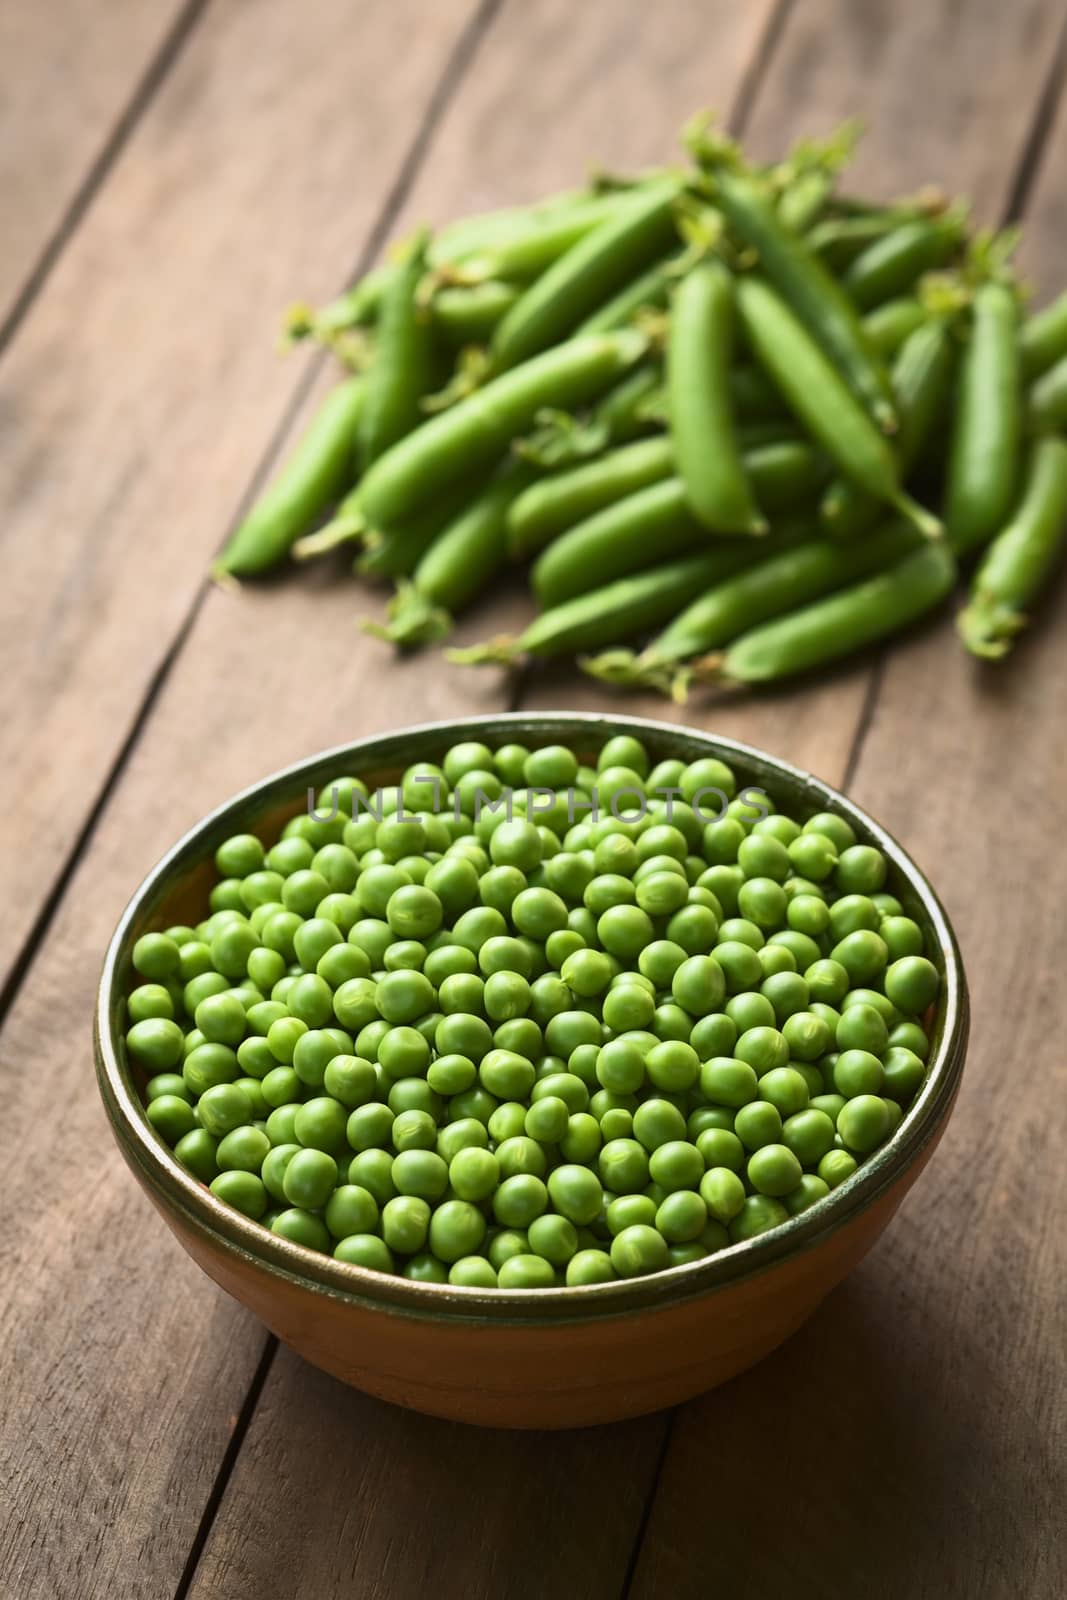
column 553, row 1358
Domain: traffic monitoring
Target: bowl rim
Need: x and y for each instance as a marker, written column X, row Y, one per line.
column 147, row 1153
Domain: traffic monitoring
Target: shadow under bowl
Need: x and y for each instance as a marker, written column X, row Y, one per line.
column 551, row 1358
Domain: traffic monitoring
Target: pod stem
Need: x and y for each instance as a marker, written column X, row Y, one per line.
column 224, row 579
column 471, row 372
column 626, row 669
column 988, row 629
column 411, row 620
column 345, row 529
column 503, row 650
column 924, row 521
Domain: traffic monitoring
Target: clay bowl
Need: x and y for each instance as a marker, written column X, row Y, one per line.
column 551, row 1358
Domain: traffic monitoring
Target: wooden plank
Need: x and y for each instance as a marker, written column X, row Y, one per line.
column 914, row 1421
column 363, row 1498
column 131, row 434
column 74, row 70
column 122, row 1368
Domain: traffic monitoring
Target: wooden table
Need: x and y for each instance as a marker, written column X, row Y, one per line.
column 174, row 173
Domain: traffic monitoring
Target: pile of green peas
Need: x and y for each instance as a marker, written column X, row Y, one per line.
column 522, row 1021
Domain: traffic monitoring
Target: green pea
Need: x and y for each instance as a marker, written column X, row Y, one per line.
column 373, row 1170
column 638, row 1250
column 681, row 1218
column 526, row 1271
column 472, row 1272
column 758, row 1124
column 676, row 1165
column 904, row 1073
column 836, row 1166
column 909, row 1036
column 365, row 1250
column 657, row 1122
column 169, row 1083
column 172, row 1117
column 863, row 1123
column 740, row 966
column 623, row 1165
column 861, row 1027
column 300, row 1226
column 156, row 1043
column 810, row 1189
column 860, row 870
column 242, row 1190
column 421, row 1172
column 405, row 1223
column 863, row 955
column 519, row 1200
column 723, row 1192
column 858, row 1072
column 243, row 1150
column 274, row 1167
column 911, row 983
column 809, row 1134
column 589, row 1266
column 672, row 1066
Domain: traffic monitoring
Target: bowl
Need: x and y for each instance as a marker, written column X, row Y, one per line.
column 550, row 1358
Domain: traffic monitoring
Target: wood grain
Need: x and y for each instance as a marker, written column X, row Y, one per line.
column 139, row 398
column 122, row 1368
column 362, row 1498
column 73, row 69
column 907, row 1438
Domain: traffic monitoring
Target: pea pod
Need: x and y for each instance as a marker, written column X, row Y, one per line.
column 468, row 315
column 839, row 241
column 783, row 471
column 613, row 612
column 817, row 394
column 1046, row 403
column 1021, row 557
column 586, row 275
column 984, row 452
column 1043, row 337
column 893, row 264
column 317, row 470
column 458, row 564
column 648, row 291
column 396, row 552
column 399, row 375
column 654, row 522
column 816, row 298
column 802, row 569
column 555, row 503
column 623, row 412
column 779, row 584
column 922, row 383
column 840, row 623
column 698, row 402
column 891, row 324
column 476, row 431
column 521, row 249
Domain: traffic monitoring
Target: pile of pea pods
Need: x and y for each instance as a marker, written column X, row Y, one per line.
column 525, row 1022
column 738, row 422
